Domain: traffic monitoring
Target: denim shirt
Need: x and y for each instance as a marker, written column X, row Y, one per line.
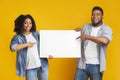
column 21, row 56
column 104, row 31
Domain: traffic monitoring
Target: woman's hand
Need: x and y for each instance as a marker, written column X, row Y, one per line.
column 30, row 44
column 50, row 57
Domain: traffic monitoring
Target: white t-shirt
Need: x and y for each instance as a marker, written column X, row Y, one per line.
column 33, row 59
column 91, row 53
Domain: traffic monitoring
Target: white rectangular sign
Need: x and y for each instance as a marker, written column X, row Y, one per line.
column 60, row 43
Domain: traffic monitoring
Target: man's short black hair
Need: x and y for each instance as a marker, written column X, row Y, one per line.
column 97, row 8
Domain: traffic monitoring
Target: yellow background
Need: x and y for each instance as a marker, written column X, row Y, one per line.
column 58, row 14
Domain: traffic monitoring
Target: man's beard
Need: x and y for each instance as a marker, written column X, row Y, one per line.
column 97, row 24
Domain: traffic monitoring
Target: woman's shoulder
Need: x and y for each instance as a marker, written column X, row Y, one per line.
column 18, row 36
column 35, row 33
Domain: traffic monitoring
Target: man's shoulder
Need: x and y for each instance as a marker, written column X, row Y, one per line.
column 106, row 27
column 86, row 26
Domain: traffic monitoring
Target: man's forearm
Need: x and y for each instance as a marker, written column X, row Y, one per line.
column 98, row 40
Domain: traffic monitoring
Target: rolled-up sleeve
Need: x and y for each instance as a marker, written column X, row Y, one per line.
column 13, row 43
column 107, row 32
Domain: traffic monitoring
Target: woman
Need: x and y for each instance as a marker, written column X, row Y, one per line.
column 26, row 44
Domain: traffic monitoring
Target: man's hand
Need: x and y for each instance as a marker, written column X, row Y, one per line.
column 83, row 37
column 78, row 29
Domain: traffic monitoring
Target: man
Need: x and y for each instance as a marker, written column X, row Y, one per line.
column 95, row 38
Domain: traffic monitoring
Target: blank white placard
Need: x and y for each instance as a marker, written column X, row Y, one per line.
column 60, row 43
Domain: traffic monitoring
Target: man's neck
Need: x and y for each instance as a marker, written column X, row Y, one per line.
column 97, row 24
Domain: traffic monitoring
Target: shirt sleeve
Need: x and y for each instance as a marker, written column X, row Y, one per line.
column 107, row 32
column 13, row 43
column 84, row 28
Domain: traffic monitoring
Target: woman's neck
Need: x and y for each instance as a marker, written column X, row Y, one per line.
column 26, row 33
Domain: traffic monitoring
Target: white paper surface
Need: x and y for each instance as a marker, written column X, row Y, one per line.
column 60, row 43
